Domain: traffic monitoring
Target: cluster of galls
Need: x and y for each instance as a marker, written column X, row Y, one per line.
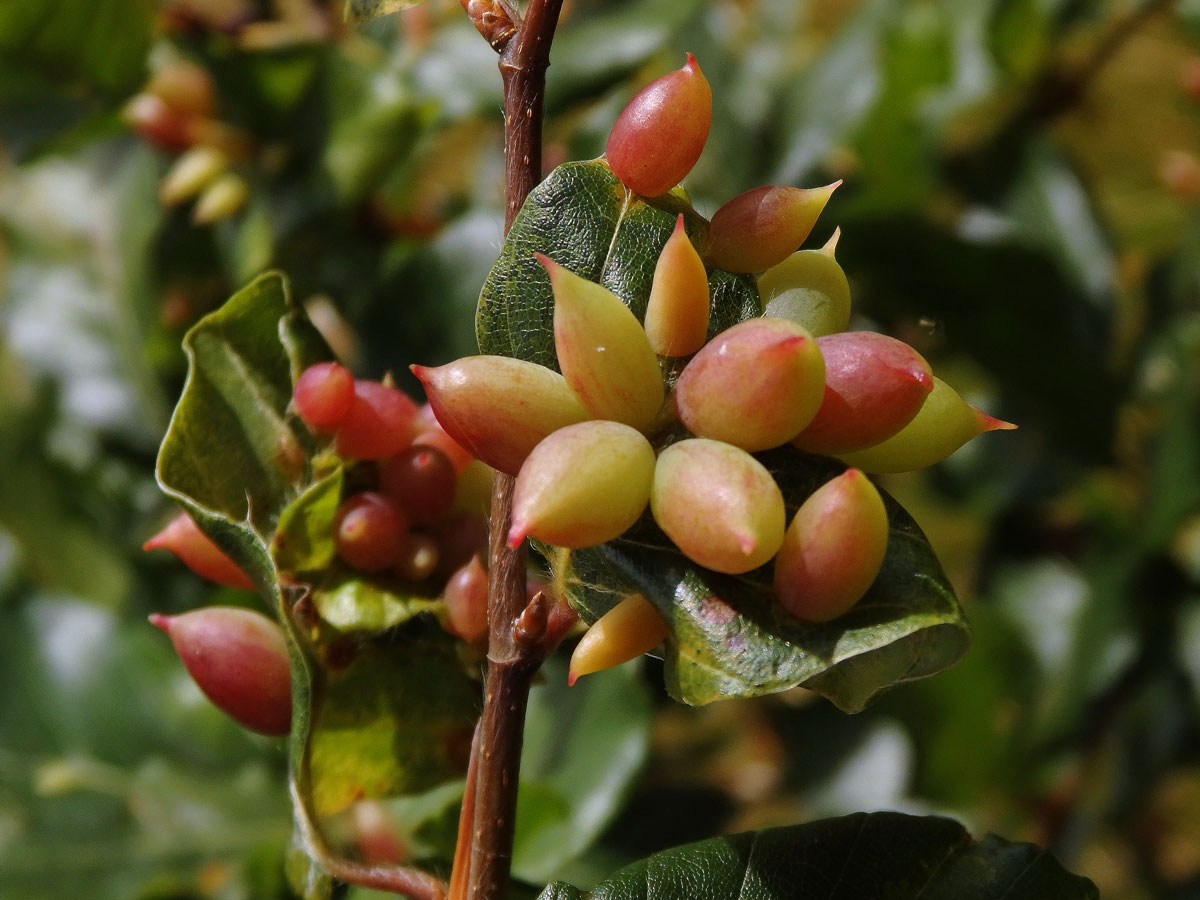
column 415, row 514
column 592, row 447
column 176, row 111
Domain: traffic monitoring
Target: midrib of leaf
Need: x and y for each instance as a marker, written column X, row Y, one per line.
column 612, row 244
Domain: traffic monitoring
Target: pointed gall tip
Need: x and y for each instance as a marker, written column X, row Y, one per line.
column 572, row 677
column 830, row 247
column 421, row 372
column 155, row 542
column 748, row 543
column 552, row 268
column 678, row 225
column 991, row 423
column 785, row 347
column 159, row 620
column 516, row 534
column 691, row 65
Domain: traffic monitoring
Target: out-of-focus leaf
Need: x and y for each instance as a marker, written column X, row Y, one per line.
column 1019, row 36
column 114, row 771
column 94, row 44
column 1050, row 207
column 583, row 219
column 1010, row 308
column 726, row 635
column 607, row 46
column 583, row 747
column 834, row 95
column 884, row 856
column 362, row 10
column 37, row 510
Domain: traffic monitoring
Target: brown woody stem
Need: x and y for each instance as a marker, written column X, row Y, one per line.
column 513, row 657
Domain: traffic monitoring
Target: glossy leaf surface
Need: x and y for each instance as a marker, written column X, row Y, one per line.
column 727, row 635
column 583, row 218
column 883, row 855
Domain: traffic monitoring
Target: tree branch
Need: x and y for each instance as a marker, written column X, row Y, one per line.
column 515, row 648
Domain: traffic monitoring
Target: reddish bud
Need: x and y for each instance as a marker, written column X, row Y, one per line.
column 323, row 394
column 659, row 135
column 422, row 481
column 431, row 434
column 762, row 227
column 874, row 385
column 370, row 532
column 459, row 537
column 184, row 86
column 676, row 318
column 196, row 550
column 155, row 121
column 833, row 549
column 466, row 601
column 381, row 422
column 239, row 659
column 754, row 385
column 499, row 408
column 418, row 559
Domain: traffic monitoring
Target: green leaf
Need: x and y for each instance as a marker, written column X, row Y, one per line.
column 728, row 638
column 233, row 454
column 99, row 45
column 396, row 717
column 303, row 540
column 583, row 747
column 883, row 856
column 582, row 217
column 382, row 703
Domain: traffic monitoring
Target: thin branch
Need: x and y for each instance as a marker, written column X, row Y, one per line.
column 514, row 650
column 396, row 879
column 1061, row 90
column 466, row 826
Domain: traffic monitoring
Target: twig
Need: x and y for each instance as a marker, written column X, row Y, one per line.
column 514, row 651
column 1061, row 90
column 396, row 879
column 466, row 826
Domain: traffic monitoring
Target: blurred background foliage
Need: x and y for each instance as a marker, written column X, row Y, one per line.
column 1020, row 202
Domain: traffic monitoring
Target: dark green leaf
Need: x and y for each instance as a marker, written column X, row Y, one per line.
column 727, row 636
column 98, row 44
column 583, row 219
column 882, row 856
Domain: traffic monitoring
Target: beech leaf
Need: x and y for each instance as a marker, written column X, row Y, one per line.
column 882, row 856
